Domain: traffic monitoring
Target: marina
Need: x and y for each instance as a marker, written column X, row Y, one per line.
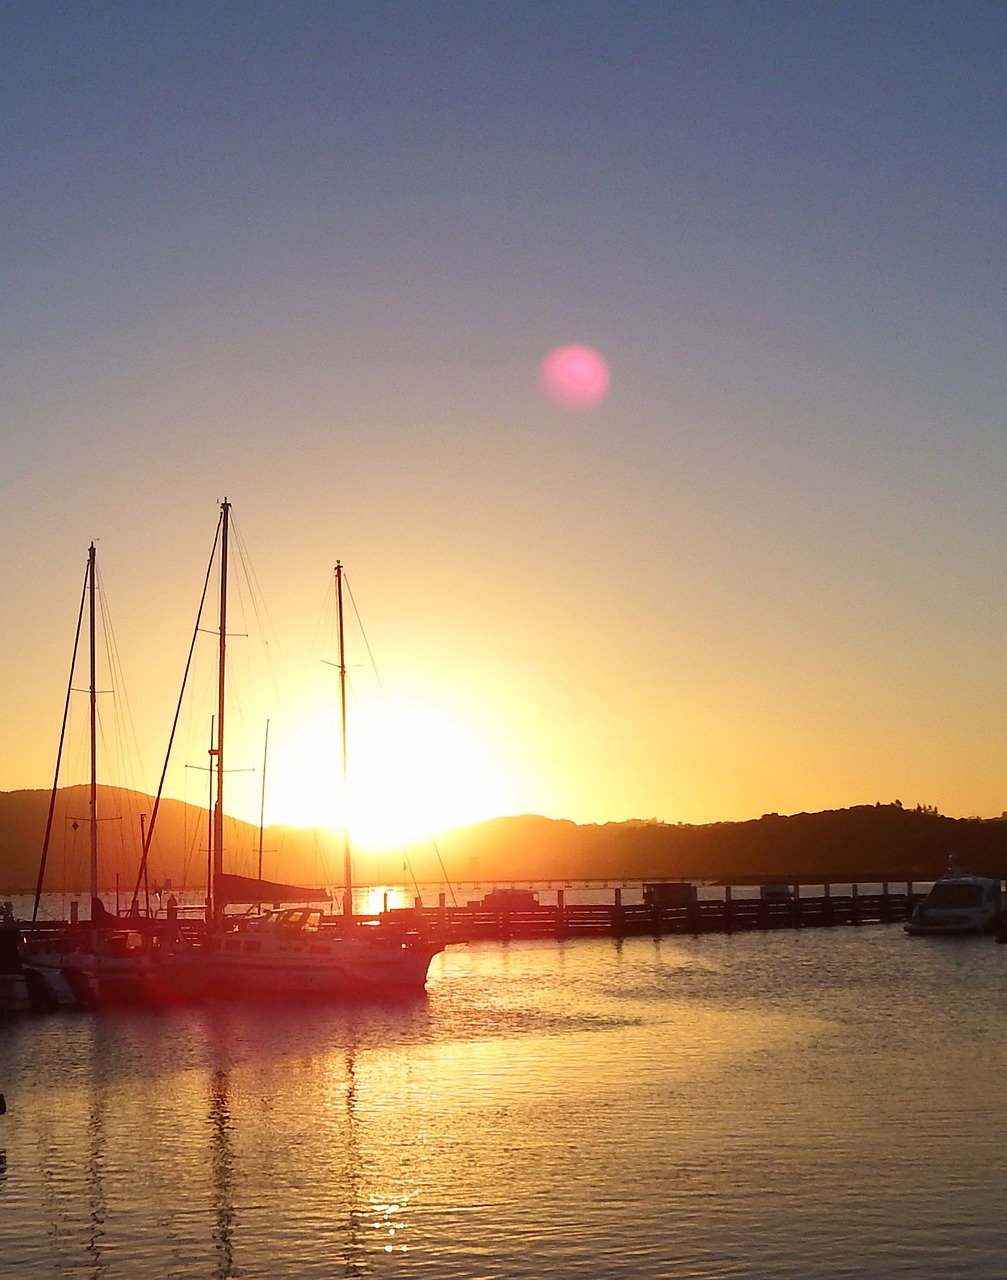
column 656, row 909
column 293, row 941
column 615, row 887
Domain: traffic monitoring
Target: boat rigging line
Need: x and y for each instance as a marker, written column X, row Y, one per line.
column 174, row 724
column 59, row 749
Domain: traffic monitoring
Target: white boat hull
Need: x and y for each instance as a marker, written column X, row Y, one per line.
column 283, row 953
column 346, row 974
column 272, row 956
column 950, row 928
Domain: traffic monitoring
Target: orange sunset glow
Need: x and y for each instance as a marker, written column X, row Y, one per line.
column 660, row 500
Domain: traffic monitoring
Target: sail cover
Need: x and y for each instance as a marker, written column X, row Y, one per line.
column 232, row 888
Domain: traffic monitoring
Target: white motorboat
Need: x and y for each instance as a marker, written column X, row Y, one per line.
column 959, row 904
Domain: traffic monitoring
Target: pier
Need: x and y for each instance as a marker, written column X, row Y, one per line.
column 677, row 910
column 729, row 913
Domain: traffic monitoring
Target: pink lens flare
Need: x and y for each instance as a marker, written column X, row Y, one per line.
column 575, row 377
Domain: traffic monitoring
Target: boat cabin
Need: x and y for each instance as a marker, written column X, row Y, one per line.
column 676, row 893
column 289, row 922
column 507, row 900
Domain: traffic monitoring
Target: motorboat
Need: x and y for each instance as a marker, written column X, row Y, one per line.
column 959, row 904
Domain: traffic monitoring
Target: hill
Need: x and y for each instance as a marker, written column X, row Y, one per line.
column 865, row 843
column 178, row 849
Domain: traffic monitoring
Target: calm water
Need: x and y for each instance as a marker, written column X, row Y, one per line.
column 818, row 1104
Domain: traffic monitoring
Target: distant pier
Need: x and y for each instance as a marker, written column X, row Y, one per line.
column 729, row 913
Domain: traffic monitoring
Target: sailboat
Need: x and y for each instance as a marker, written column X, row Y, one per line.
column 107, row 959
column 297, row 950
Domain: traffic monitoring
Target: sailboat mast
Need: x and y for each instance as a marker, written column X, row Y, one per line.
column 218, row 808
column 93, row 720
column 210, row 817
column 347, row 852
column 262, row 795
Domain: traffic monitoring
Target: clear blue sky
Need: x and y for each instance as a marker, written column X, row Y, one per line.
column 310, row 256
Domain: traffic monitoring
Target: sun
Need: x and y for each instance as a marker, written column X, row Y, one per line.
column 414, row 769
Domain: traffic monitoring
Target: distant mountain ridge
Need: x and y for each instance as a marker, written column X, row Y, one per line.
column 178, row 849
column 862, row 843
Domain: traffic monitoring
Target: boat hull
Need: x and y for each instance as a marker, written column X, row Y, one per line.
column 283, row 954
column 113, row 973
column 149, row 986
column 36, row 989
column 941, row 929
column 347, row 973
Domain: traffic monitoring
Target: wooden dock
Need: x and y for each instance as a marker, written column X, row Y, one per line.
column 727, row 914
column 735, row 911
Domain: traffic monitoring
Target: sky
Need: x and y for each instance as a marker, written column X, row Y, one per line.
column 310, row 257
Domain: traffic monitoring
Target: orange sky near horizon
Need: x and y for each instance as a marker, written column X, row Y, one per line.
column 469, row 714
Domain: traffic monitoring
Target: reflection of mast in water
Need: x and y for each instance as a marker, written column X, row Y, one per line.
column 222, row 1167
column 353, row 1259
column 96, row 1142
